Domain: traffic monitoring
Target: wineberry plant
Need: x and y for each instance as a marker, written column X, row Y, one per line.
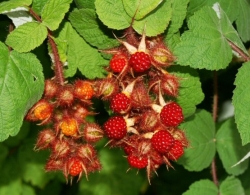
column 124, row 97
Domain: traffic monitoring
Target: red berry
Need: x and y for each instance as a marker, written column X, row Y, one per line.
column 137, row 162
column 171, row 114
column 118, row 62
column 140, row 61
column 176, row 151
column 162, row 141
column 75, row 166
column 115, row 127
column 120, row 103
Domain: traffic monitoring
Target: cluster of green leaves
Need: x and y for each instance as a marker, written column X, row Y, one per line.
column 197, row 31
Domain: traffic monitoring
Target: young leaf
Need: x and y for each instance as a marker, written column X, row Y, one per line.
column 12, row 4
column 116, row 17
column 27, row 37
column 241, row 102
column 228, row 144
column 204, row 187
column 195, row 5
column 88, row 26
column 157, row 21
column 242, row 23
column 200, row 131
column 190, row 92
column 114, row 167
column 53, row 13
column 81, row 55
column 138, row 9
column 231, row 186
column 207, row 39
column 20, row 74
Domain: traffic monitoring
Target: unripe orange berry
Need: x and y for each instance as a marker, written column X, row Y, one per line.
column 69, row 126
column 83, row 90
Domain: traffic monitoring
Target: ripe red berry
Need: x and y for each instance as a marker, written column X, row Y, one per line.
column 176, row 151
column 171, row 114
column 137, row 162
column 140, row 61
column 162, row 141
column 115, row 127
column 120, row 103
column 75, row 166
column 118, row 62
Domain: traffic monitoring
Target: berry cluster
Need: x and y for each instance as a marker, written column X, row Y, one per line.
column 143, row 124
column 63, row 112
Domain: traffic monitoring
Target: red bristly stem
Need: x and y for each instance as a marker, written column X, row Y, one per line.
column 239, row 51
column 215, row 112
column 58, row 64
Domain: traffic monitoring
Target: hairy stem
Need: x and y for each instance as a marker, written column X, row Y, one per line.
column 239, row 51
column 215, row 113
column 58, row 64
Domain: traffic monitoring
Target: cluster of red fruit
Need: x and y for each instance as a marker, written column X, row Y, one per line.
column 67, row 133
column 142, row 123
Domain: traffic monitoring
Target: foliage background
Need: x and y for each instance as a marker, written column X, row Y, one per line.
column 200, row 41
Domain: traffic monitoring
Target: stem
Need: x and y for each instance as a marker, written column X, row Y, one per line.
column 215, row 113
column 239, row 51
column 58, row 64
column 11, row 28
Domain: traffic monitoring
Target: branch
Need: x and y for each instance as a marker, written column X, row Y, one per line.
column 58, row 64
column 239, row 51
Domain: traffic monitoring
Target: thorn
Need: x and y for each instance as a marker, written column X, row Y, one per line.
column 131, row 49
column 161, row 99
column 149, row 171
column 108, row 143
column 128, row 170
column 142, row 44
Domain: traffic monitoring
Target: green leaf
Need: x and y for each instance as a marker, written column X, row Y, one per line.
column 195, row 5
column 190, row 92
column 231, row 8
column 32, row 164
column 81, row 55
column 242, row 22
column 204, row 187
column 116, row 17
column 27, row 36
column 53, row 13
column 230, row 149
column 88, row 26
column 231, row 186
column 179, row 13
column 241, row 102
column 157, row 21
column 206, row 40
column 12, row 4
column 85, row 4
column 200, row 131
column 20, row 74
column 38, row 5
column 138, row 9
column 113, row 178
